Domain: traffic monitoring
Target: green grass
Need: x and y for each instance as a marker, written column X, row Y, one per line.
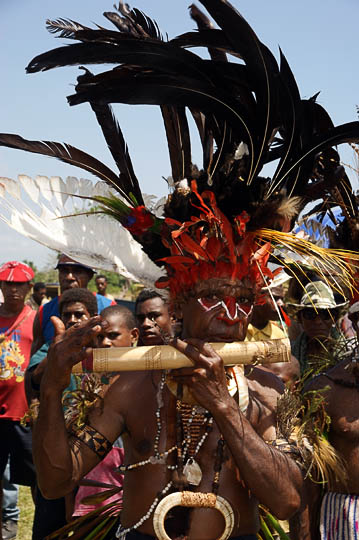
column 26, row 514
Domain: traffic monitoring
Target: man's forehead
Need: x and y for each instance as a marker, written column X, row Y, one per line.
column 70, row 268
column 151, row 304
column 74, row 306
column 116, row 323
column 223, row 285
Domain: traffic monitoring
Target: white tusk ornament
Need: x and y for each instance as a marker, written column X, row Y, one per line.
column 192, row 500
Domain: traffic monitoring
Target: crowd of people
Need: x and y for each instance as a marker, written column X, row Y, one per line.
column 320, row 326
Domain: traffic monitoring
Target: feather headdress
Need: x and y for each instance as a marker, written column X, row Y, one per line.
column 219, row 217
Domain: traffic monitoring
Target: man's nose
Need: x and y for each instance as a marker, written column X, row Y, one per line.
column 147, row 322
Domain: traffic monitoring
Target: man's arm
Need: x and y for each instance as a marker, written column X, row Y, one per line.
column 62, row 460
column 272, row 477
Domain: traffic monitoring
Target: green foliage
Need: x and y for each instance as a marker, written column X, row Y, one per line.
column 31, row 264
column 47, row 276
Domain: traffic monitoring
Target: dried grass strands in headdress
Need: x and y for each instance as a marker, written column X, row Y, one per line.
column 247, row 115
column 326, row 262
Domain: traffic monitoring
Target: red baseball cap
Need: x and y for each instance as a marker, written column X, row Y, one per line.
column 16, row 271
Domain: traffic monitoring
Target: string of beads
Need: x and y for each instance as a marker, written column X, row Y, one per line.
column 190, row 420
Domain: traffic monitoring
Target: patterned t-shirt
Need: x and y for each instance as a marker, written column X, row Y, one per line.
column 15, row 349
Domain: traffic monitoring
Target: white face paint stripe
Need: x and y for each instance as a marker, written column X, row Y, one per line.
column 222, row 304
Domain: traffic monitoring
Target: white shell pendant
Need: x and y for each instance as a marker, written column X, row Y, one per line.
column 192, row 472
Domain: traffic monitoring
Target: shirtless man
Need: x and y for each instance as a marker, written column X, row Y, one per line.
column 153, row 318
column 340, row 384
column 251, row 470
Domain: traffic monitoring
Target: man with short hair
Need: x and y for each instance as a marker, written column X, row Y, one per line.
column 71, row 275
column 101, row 285
column 153, row 318
column 16, row 321
column 38, row 297
column 75, row 306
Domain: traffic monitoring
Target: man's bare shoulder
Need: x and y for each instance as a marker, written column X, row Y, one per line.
column 129, row 381
column 265, row 386
column 327, row 380
column 266, row 379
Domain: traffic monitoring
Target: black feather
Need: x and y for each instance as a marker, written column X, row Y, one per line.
column 65, row 27
column 204, row 23
column 68, row 154
column 113, row 135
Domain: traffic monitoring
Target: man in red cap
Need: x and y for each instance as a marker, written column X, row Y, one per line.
column 16, row 321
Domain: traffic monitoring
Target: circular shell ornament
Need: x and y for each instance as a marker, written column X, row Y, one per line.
column 192, row 500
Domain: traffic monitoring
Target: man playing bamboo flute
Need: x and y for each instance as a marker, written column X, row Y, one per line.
column 219, row 432
column 195, row 438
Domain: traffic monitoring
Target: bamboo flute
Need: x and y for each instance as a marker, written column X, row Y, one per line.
column 167, row 357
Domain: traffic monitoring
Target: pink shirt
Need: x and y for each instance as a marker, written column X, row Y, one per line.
column 103, row 472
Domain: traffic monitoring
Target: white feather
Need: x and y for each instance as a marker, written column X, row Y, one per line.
column 59, row 190
column 43, row 183
column 95, row 240
column 30, row 187
column 12, row 187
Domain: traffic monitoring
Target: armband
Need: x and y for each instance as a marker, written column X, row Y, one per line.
column 286, row 447
column 93, row 439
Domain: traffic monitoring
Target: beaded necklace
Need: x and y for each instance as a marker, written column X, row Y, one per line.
column 184, row 446
column 189, row 420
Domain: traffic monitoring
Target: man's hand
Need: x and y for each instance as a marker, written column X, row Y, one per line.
column 207, row 379
column 68, row 348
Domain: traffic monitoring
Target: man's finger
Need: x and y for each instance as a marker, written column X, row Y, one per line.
column 82, row 336
column 187, row 349
column 181, row 372
column 202, row 346
column 59, row 326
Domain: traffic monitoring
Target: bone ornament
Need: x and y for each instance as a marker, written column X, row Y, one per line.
column 192, row 500
column 167, row 357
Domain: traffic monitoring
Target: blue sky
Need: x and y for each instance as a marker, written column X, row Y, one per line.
column 318, row 38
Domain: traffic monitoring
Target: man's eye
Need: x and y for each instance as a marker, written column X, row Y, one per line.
column 211, row 298
column 243, row 300
column 113, row 336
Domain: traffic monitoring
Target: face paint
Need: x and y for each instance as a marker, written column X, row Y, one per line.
column 233, row 310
